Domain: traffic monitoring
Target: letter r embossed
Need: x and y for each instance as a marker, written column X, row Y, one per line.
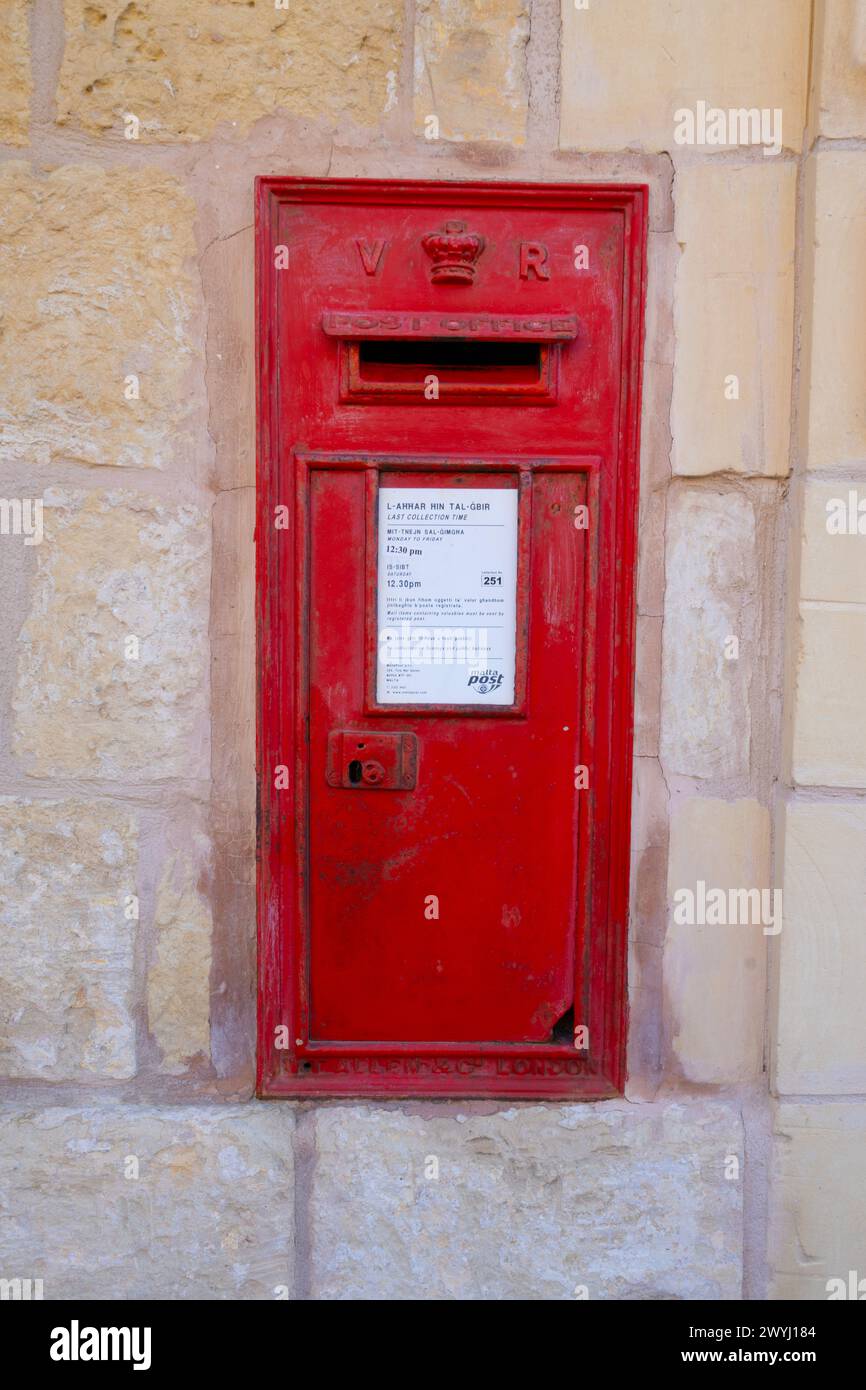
column 533, row 257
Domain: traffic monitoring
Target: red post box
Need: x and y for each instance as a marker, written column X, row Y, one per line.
column 449, row 384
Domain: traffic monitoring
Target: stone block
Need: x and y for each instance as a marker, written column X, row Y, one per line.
column 536, row 1202
column 113, row 656
column 66, row 940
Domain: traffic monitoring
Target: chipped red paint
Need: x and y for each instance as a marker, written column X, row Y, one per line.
column 368, row 996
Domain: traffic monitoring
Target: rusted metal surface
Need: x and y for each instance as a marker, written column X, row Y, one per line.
column 369, row 760
column 360, row 991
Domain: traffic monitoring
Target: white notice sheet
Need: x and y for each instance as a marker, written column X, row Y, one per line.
column 447, row 597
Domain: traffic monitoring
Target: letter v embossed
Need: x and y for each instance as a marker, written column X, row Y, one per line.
column 370, row 255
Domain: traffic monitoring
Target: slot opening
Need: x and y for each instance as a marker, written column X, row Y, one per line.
column 464, row 370
column 450, row 354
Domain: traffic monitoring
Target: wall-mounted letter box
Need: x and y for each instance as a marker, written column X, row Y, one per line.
column 449, row 381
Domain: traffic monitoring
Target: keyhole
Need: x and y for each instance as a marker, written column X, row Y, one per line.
column 355, row 770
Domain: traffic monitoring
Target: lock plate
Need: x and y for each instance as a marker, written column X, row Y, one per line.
column 362, row 761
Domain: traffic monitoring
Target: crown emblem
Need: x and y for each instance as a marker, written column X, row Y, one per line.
column 453, row 252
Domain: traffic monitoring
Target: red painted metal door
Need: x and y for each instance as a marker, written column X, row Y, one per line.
column 488, row 831
column 443, row 869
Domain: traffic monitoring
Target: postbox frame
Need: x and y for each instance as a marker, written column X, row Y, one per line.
column 548, row 1070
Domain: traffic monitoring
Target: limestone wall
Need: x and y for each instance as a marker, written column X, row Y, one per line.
column 134, row 1160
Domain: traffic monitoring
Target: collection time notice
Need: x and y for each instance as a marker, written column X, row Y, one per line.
column 447, row 595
